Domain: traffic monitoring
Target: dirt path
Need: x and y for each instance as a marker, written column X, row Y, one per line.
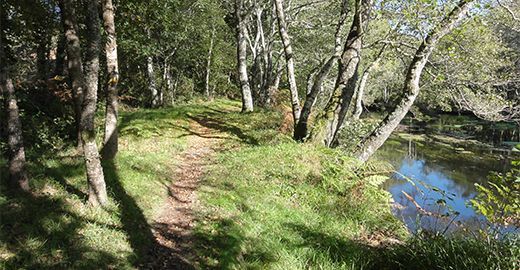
column 173, row 227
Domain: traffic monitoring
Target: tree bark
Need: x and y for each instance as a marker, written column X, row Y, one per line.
column 289, row 60
column 167, row 76
column 411, row 84
column 97, row 194
column 61, row 57
column 110, row 141
column 74, row 62
column 271, row 74
column 247, row 98
column 152, row 85
column 17, row 174
column 301, row 130
column 208, row 62
column 96, row 183
column 362, row 85
column 339, row 104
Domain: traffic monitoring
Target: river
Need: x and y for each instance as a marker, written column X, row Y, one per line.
column 436, row 173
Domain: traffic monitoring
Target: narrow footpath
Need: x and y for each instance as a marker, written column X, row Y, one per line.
column 173, row 228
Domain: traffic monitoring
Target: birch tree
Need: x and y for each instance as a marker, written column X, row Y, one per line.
column 316, row 84
column 110, row 141
column 411, row 87
column 241, row 33
column 207, row 90
column 289, row 60
column 339, row 104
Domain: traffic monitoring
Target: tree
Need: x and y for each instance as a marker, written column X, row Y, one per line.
column 110, row 140
column 241, row 29
column 74, row 62
column 289, row 60
column 411, row 88
column 340, row 102
column 208, row 64
column 87, row 84
column 17, row 174
column 363, row 83
column 301, row 129
column 152, row 84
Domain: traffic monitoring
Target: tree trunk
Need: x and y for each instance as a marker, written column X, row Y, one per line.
column 110, row 141
column 301, row 130
column 411, row 84
column 74, row 62
column 362, row 85
column 169, row 82
column 358, row 110
column 247, row 98
column 97, row 194
column 42, row 63
column 208, row 62
column 17, row 173
column 59, row 68
column 95, row 178
column 152, row 85
column 271, row 68
column 339, row 104
column 289, row 60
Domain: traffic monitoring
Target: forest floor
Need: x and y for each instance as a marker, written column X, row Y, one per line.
column 203, row 186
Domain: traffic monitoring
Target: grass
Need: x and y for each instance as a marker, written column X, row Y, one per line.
column 54, row 229
column 265, row 203
column 279, row 207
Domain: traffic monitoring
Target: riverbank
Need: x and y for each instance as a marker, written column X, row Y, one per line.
column 263, row 201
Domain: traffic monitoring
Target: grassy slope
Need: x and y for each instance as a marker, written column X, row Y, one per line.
column 54, row 229
column 266, row 202
column 282, row 205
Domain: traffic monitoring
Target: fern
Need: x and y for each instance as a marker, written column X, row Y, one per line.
column 375, row 180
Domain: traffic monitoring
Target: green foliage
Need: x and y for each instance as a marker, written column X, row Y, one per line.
column 354, row 131
column 499, row 198
column 176, row 34
column 426, row 251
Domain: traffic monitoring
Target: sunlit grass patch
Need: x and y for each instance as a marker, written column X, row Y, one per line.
column 57, row 230
column 274, row 207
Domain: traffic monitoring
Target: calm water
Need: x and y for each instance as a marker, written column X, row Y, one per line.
column 434, row 171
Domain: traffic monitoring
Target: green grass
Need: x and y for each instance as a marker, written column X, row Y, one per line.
column 280, row 207
column 55, row 229
column 265, row 203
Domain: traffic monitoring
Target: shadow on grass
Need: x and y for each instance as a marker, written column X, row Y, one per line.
column 335, row 249
column 132, row 218
column 147, row 250
column 211, row 121
column 152, row 122
column 222, row 247
column 39, row 232
column 60, row 173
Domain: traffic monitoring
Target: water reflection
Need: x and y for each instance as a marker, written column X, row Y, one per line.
column 439, row 178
